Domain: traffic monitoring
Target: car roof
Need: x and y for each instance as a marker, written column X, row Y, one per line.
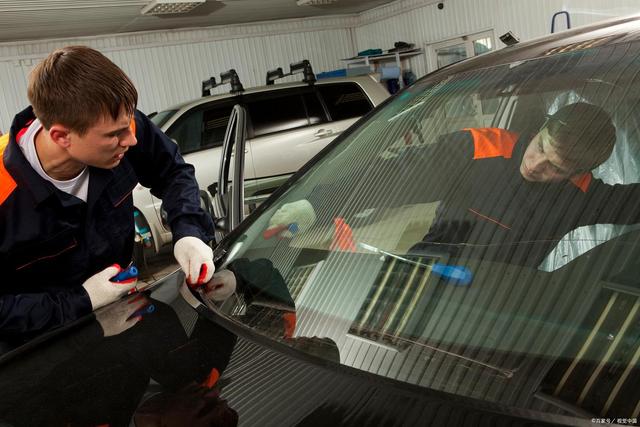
column 611, row 31
column 364, row 79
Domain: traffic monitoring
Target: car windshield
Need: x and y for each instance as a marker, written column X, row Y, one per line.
column 446, row 243
column 162, row 117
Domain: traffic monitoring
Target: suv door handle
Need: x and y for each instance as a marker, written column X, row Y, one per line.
column 321, row 133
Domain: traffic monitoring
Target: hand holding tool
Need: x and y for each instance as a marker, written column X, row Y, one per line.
column 278, row 229
column 127, row 275
column 300, row 213
column 102, row 290
column 196, row 260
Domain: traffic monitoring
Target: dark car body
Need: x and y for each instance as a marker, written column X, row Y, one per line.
column 195, row 361
column 155, row 374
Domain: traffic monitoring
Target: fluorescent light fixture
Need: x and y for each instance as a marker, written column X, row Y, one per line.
column 162, row 7
column 314, row 2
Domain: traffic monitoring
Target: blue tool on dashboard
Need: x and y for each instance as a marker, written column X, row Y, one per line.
column 458, row 275
column 454, row 274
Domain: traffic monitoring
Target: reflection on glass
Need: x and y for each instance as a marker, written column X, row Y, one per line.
column 481, row 45
column 450, row 54
column 541, row 325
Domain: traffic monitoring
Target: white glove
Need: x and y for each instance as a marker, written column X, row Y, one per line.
column 195, row 258
column 300, row 213
column 119, row 317
column 221, row 286
column 102, row 291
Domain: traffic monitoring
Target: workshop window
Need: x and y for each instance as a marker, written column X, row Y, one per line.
column 453, row 50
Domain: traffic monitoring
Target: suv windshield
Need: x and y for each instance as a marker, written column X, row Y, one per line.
column 451, row 241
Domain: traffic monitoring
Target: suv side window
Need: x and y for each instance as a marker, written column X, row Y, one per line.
column 315, row 110
column 201, row 128
column 276, row 113
column 345, row 100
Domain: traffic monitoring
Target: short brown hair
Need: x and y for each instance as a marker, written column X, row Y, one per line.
column 583, row 133
column 76, row 86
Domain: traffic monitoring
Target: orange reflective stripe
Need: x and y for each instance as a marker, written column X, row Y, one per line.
column 211, row 379
column 492, row 142
column 7, row 183
column 132, row 126
column 289, row 324
column 582, row 181
column 342, row 236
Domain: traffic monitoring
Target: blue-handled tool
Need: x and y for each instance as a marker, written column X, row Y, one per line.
column 127, row 274
column 145, row 310
column 455, row 274
column 274, row 231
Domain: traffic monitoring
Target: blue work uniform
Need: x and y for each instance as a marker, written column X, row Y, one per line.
column 51, row 241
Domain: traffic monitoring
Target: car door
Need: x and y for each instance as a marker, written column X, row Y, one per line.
column 345, row 103
column 200, row 134
column 288, row 128
column 228, row 199
column 281, row 137
column 282, row 132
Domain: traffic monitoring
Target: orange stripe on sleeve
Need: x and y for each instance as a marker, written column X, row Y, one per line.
column 132, row 126
column 582, row 181
column 7, row 183
column 492, row 142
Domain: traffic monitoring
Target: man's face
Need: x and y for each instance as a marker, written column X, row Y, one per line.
column 104, row 144
column 542, row 163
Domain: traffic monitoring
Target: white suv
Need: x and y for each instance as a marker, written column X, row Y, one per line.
column 287, row 125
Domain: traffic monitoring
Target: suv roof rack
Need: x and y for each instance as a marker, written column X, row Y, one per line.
column 230, row 77
column 303, row 66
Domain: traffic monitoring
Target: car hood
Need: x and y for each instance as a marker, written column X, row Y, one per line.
column 179, row 366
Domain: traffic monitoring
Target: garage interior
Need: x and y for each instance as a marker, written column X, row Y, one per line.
column 168, row 48
column 175, row 50
column 167, row 56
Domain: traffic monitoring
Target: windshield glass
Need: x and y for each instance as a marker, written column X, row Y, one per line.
column 475, row 236
column 162, row 117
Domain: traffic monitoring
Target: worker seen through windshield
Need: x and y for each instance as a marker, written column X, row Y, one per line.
column 477, row 235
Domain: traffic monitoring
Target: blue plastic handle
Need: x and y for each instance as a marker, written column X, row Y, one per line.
column 455, row 274
column 144, row 310
column 126, row 274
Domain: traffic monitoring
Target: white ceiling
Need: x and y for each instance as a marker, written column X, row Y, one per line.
column 46, row 19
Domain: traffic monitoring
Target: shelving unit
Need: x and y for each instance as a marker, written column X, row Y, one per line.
column 374, row 61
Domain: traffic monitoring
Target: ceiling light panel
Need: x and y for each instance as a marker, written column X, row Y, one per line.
column 164, row 7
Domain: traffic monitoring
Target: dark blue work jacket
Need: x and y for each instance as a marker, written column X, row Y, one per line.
column 51, row 241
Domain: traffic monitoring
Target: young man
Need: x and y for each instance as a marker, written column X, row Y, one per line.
column 503, row 196
column 68, row 167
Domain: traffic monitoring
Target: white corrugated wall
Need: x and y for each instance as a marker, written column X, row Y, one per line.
column 421, row 22
column 168, row 67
